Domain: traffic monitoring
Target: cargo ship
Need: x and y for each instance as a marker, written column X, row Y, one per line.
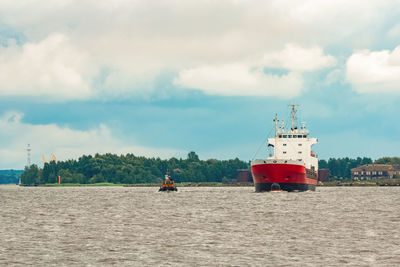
column 292, row 165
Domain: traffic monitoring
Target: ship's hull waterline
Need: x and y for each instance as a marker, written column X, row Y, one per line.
column 268, row 176
column 266, row 187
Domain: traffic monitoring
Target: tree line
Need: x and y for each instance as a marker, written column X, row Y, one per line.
column 10, row 176
column 131, row 169
column 340, row 168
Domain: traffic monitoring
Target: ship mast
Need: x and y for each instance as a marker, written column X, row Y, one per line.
column 276, row 134
column 293, row 114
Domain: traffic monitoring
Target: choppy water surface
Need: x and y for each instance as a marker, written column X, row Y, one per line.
column 100, row 226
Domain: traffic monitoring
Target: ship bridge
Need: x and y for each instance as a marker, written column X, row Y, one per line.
column 293, row 144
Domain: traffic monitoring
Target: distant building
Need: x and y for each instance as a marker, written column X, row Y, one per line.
column 244, row 176
column 323, row 175
column 375, row 171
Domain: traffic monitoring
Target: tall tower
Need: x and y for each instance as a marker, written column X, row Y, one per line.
column 28, row 155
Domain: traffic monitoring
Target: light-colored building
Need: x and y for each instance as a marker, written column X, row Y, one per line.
column 294, row 145
column 375, row 171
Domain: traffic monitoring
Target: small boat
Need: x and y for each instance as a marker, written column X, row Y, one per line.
column 168, row 184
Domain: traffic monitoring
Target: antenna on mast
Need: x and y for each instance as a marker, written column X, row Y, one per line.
column 28, row 155
column 276, row 124
column 293, row 114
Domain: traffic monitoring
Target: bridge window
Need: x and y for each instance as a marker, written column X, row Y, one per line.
column 289, row 136
column 284, row 152
column 280, row 136
column 284, row 136
column 284, row 144
column 295, row 135
column 300, row 144
column 299, row 136
column 299, row 152
column 304, row 136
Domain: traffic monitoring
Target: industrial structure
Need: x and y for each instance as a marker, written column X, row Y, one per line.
column 323, row 175
column 244, row 176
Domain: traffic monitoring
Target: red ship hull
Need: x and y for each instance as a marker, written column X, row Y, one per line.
column 289, row 177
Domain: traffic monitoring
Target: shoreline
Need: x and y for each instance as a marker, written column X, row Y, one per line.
column 385, row 182
column 392, row 182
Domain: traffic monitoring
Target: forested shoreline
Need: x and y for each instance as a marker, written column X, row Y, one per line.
column 10, row 176
column 131, row 169
column 340, row 168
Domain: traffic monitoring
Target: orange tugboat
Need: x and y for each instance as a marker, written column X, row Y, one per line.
column 168, row 184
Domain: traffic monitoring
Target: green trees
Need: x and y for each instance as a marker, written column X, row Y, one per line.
column 31, row 175
column 323, row 164
column 388, row 160
column 212, row 170
column 10, row 176
column 130, row 169
column 49, row 173
column 192, row 157
column 340, row 168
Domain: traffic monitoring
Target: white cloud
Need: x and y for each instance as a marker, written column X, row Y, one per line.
column 64, row 142
column 52, row 68
column 374, row 71
column 239, row 80
column 248, row 78
column 356, row 23
column 139, row 40
column 296, row 58
column 334, row 76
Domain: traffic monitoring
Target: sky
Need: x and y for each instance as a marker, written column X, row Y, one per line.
column 163, row 78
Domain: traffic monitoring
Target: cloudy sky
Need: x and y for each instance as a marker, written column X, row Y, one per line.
column 162, row 78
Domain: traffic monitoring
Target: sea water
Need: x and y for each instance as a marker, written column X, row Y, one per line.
column 203, row 226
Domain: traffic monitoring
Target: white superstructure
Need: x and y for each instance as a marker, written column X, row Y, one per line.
column 293, row 144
